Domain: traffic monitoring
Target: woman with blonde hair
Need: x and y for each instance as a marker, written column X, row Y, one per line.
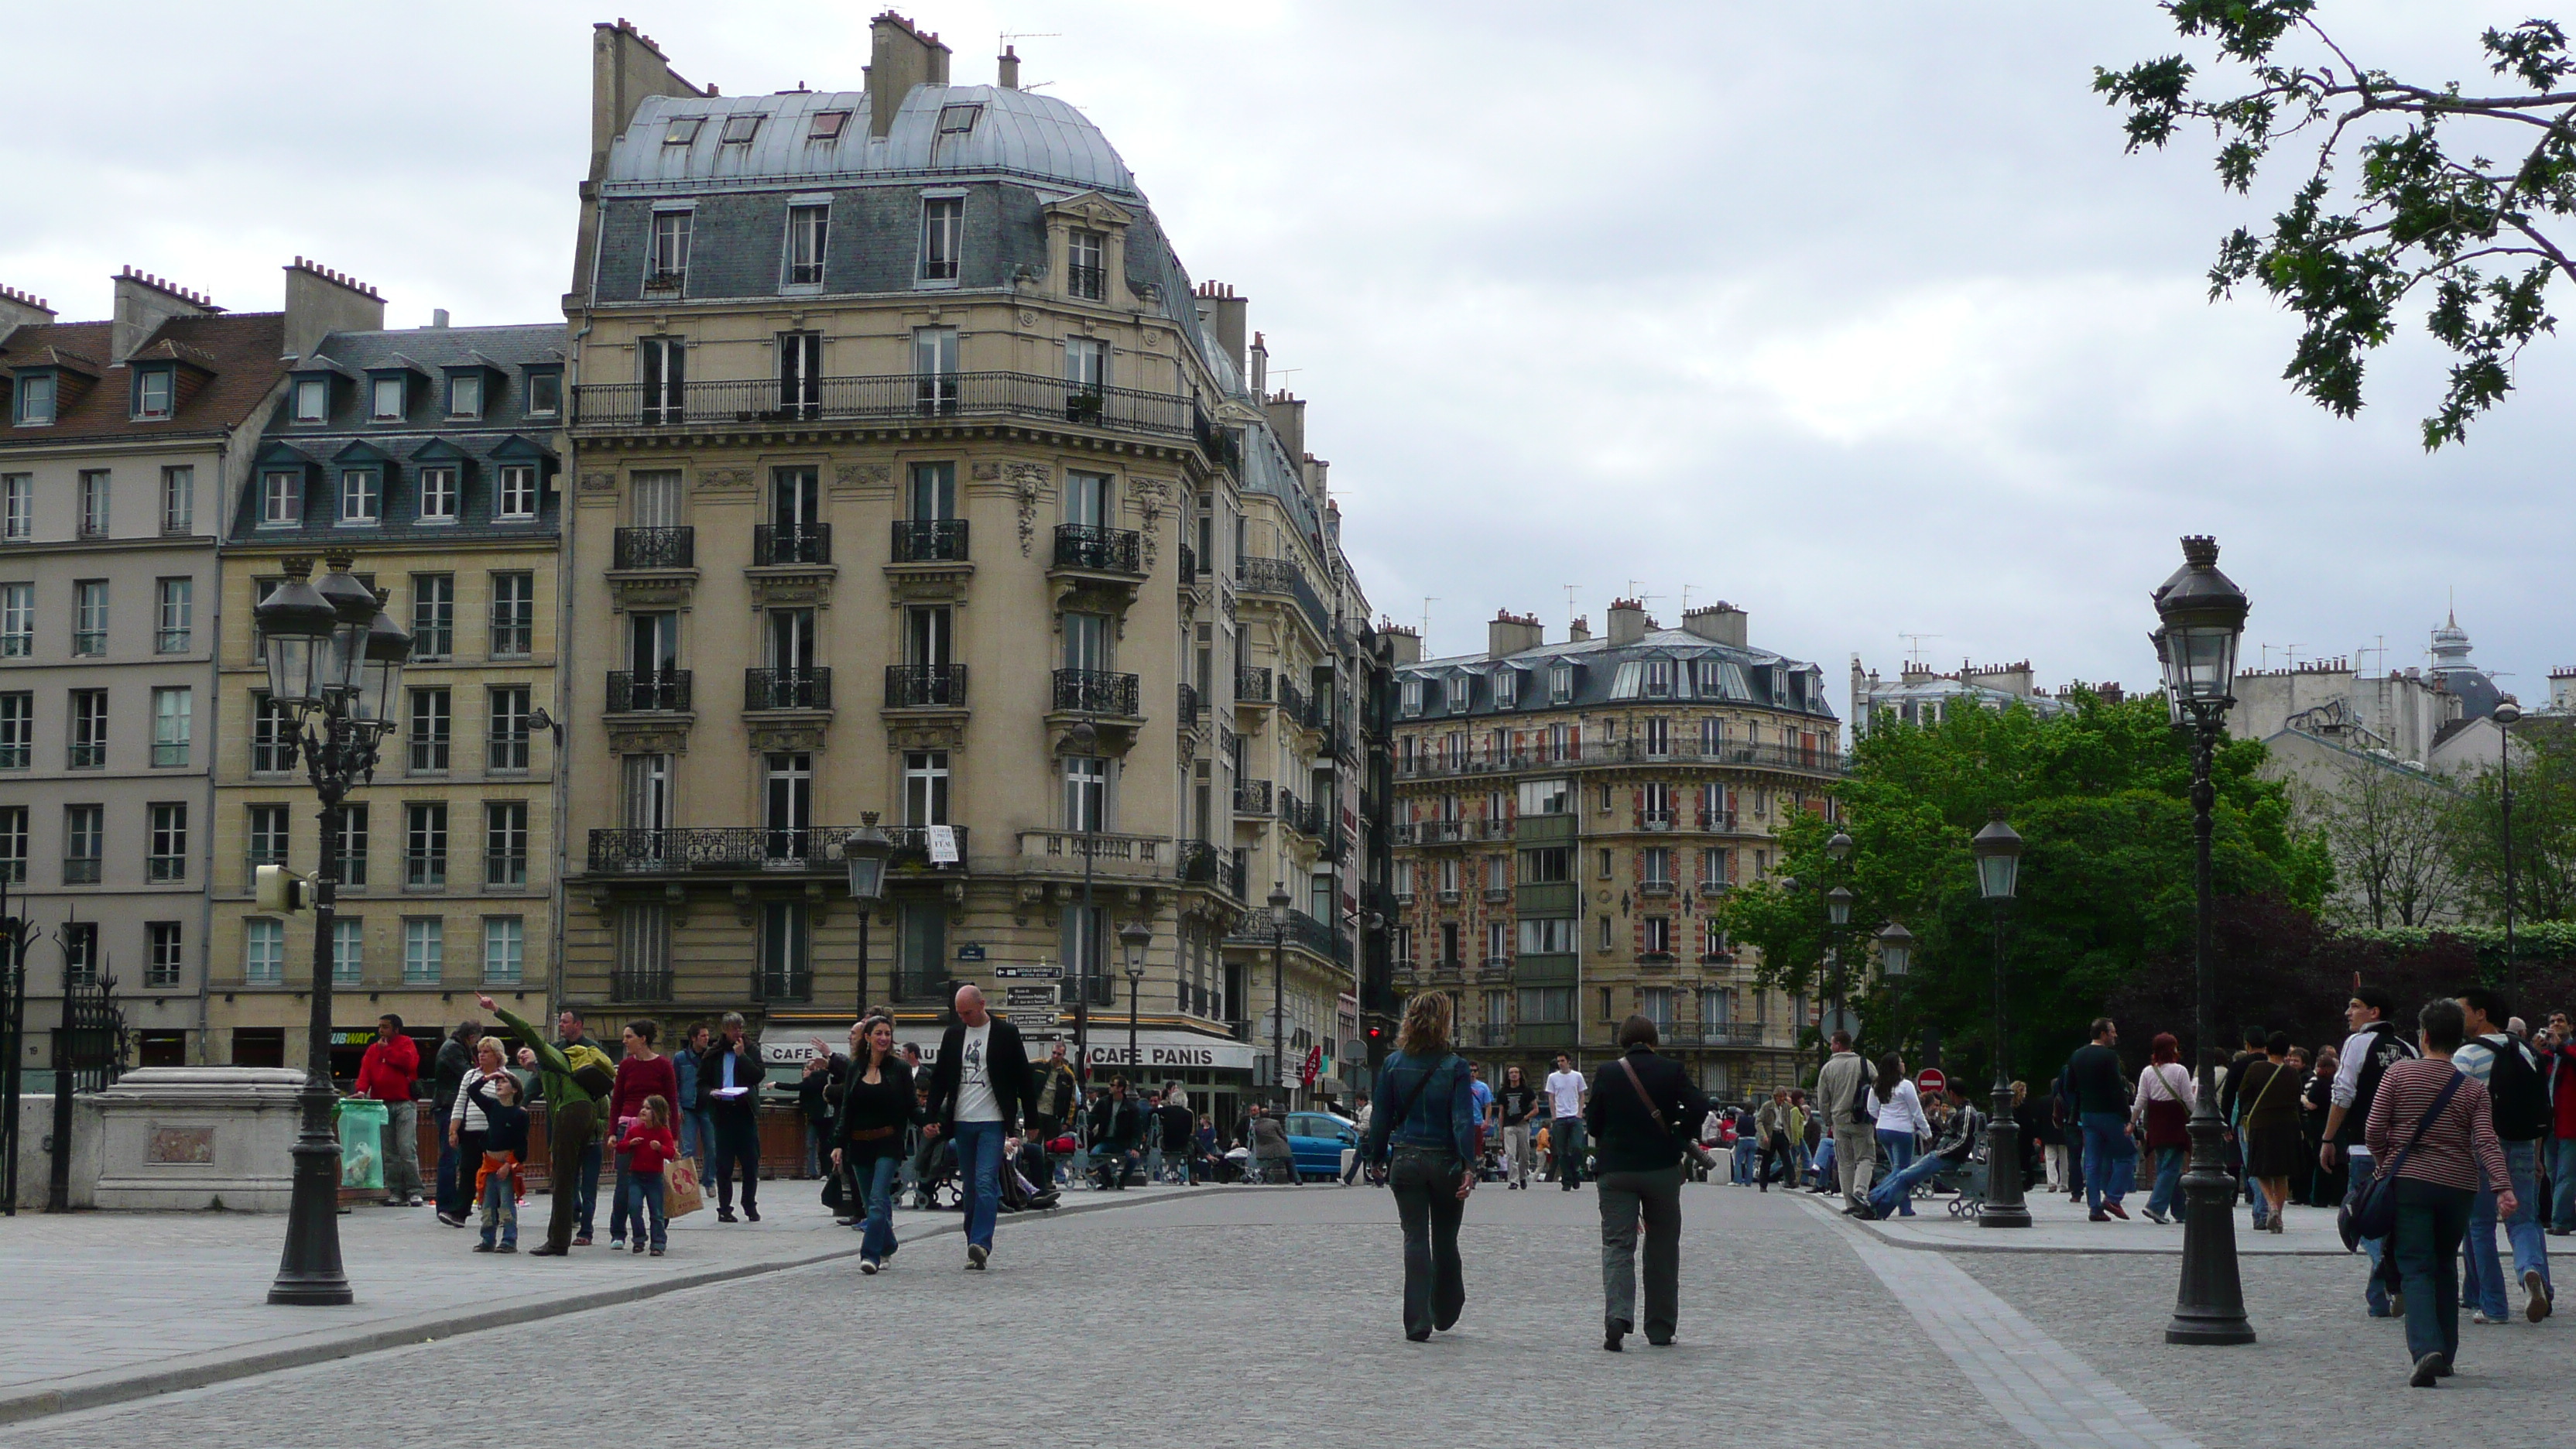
column 1425, row 1120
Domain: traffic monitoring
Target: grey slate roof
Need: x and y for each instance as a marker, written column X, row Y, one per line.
column 1017, row 133
column 1757, row 676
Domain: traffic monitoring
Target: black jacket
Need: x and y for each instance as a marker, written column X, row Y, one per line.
column 1006, row 1068
column 1118, row 1125
column 1625, row 1137
column 865, row 1108
column 748, row 1069
column 447, row 1075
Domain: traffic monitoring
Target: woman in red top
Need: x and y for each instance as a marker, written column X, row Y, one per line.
column 2438, row 1172
column 644, row 1147
column 642, row 1073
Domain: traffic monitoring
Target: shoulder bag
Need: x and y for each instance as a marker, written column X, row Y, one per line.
column 1697, row 1154
column 2371, row 1212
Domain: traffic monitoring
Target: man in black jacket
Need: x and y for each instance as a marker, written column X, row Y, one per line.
column 979, row 1088
column 729, row 1074
column 1115, row 1131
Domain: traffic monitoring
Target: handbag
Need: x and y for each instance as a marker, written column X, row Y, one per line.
column 1697, row 1154
column 2371, row 1212
column 681, row 1194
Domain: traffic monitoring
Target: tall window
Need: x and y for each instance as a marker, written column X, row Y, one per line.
column 178, row 499
column 281, row 498
column 800, row 373
column 1086, row 641
column 1086, row 793
column 268, row 835
column 505, row 948
column 921, row 952
column 362, row 495
column 514, row 615
column 178, row 616
column 272, row 728
column 438, row 495
column 430, row 725
column 89, row 616
column 424, row 950
column 668, row 268
column 13, row 844
column 433, row 616
column 1086, row 363
column 17, row 620
column 1655, row 1003
column 517, row 499
column 425, row 846
column 1498, row 941
column 646, row 798
column 89, row 729
column 93, row 502
column 263, row 952
column 169, row 857
column 505, row 843
column 787, row 804
column 1656, row 865
column 643, row 951
column 17, row 730
column 934, row 369
column 17, row 506
column 664, row 364
column 353, row 845
column 1082, row 265
column 1659, row 933
column 348, row 951
column 505, row 744
column 1659, row 736
column 80, row 953
column 84, row 843
column 925, row 787
column 786, row 971
column 942, row 223
column 173, row 728
column 807, row 229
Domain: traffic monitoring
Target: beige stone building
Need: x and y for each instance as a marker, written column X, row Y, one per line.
column 1565, row 814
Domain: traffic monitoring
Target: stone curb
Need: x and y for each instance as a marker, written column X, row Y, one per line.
column 197, row 1371
column 2168, row 1247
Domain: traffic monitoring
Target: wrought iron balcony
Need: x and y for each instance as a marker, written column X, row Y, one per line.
column 787, row 688
column 894, row 397
column 1292, row 701
column 1251, row 797
column 808, row 543
column 794, row 983
column 1283, row 576
column 1251, row 685
column 656, row 548
column 912, row 843
column 1189, row 707
column 624, row 985
column 1205, row 864
column 1261, row 928
column 1096, row 691
column 1098, row 550
column 929, row 540
column 925, row 686
column 1082, row 281
column 724, row 848
column 648, row 691
column 1189, row 565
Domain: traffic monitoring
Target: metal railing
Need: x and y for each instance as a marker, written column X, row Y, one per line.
column 652, row 985
column 1251, row 797
column 1293, row 702
column 1189, row 707
column 718, row 848
column 929, row 540
column 1284, row 576
column 1480, row 760
column 1082, row 281
column 891, row 397
column 787, row 688
column 1096, row 691
column 1189, row 565
column 795, row 983
column 1098, row 550
column 1251, row 685
column 925, row 686
column 1260, row 929
column 656, row 548
column 648, row 691
column 806, row 543
column 1204, row 864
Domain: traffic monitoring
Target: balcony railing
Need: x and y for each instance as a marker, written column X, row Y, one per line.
column 1261, row 928
column 1710, row 1034
column 889, row 398
column 794, row 983
column 648, row 691
column 1189, row 707
column 727, row 848
column 1096, row 691
column 1479, row 760
column 1251, row 685
column 1652, row 888
column 656, row 548
column 1251, row 797
column 925, row 686
column 1719, row 822
column 1189, row 566
column 1082, row 281
column 1283, row 576
column 1292, row 701
column 929, row 540
column 807, row 543
column 1494, row 966
column 1655, row 819
column 1098, row 550
column 787, row 688
column 1206, row 865
column 653, row 985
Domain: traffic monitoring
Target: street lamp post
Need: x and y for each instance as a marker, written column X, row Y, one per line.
column 865, row 851
column 1997, row 849
column 1133, row 937
column 1895, row 951
column 1278, row 989
column 335, row 659
column 2506, row 715
column 2203, row 617
column 1086, row 744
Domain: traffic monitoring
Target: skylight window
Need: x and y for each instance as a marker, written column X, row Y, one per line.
column 958, row 120
column 683, row 131
column 738, row 130
column 828, row 125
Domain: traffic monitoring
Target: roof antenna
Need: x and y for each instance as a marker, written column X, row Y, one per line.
column 1427, row 602
column 1569, row 605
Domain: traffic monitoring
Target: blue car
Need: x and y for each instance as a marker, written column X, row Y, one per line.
column 1317, row 1139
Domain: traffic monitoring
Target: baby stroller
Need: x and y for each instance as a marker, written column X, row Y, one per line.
column 1968, row 1180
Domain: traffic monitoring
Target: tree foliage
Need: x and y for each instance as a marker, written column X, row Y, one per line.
column 2392, row 835
column 2544, row 828
column 2401, row 203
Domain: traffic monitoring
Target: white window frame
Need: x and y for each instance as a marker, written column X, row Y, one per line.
column 516, row 500
column 940, row 257
column 281, row 498
column 401, row 387
column 439, row 493
column 809, row 236
column 424, row 950
column 505, row 950
column 17, row 506
column 178, row 499
column 362, row 497
column 313, row 400
column 146, row 381
column 263, row 952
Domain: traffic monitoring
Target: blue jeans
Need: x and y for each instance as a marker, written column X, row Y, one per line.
column 1565, row 1143
column 1896, row 1153
column 1741, row 1170
column 618, row 1198
column 641, row 1197
column 2358, row 1167
column 2244, row 1181
column 1823, row 1165
column 2105, row 1142
column 2167, row 1196
column 500, row 1206
column 2562, row 1172
column 979, row 1176
column 448, row 1196
column 698, row 1136
column 1895, row 1192
column 2482, row 1281
column 877, row 1178
column 2430, row 1219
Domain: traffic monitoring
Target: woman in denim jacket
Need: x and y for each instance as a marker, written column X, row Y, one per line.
column 1426, row 1112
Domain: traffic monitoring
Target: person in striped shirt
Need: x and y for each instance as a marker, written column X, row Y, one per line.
column 2438, row 1172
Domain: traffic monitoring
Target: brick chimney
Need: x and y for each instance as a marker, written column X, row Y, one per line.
column 1579, row 631
column 143, row 303
column 19, row 309
column 1510, row 633
column 1223, row 314
column 1287, row 414
column 320, row 301
column 899, row 58
column 1403, row 645
column 1719, row 623
column 1627, row 621
column 1007, row 68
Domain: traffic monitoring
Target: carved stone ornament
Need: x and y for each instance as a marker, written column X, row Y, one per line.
column 647, row 740
column 1028, row 318
column 713, row 480
column 984, row 470
column 599, row 482
column 1027, row 481
column 1151, row 496
column 768, row 739
column 861, row 475
column 927, row 735
column 811, row 589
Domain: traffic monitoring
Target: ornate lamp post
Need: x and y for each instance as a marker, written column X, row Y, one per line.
column 865, row 851
column 1133, row 938
column 1997, row 849
column 335, row 659
column 1279, row 901
column 1838, row 902
column 2507, row 715
column 2203, row 617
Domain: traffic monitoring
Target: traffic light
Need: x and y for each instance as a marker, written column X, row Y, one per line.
column 275, row 888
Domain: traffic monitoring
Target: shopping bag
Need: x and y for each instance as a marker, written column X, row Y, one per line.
column 681, row 1194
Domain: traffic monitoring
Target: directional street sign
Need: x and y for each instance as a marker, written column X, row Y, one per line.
column 1033, row 973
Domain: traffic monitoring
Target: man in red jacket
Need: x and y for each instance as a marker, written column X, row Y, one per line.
column 386, row 1074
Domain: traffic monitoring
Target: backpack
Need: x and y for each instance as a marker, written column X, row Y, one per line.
column 2521, row 1108
column 2386, row 1047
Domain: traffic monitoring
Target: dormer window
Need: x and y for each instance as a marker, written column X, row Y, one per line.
column 390, row 403
column 827, row 126
column 1507, row 688
column 1461, row 692
column 1560, row 683
column 362, row 496
column 668, row 268
column 36, row 400
column 545, row 394
column 517, row 498
column 281, row 498
column 808, row 226
column 1412, row 703
column 465, row 395
column 155, row 393
column 438, row 495
column 738, row 130
column 958, row 120
column 683, row 130
column 943, row 220
column 313, row 399
column 1082, row 265
column 1659, row 678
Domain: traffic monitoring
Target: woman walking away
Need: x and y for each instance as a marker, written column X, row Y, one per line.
column 2269, row 1097
column 2431, row 1129
column 2163, row 1106
column 1636, row 1102
column 1901, row 1123
column 877, row 1105
column 1426, row 1114
column 644, row 1148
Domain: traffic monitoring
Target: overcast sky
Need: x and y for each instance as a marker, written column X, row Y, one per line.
column 1855, row 316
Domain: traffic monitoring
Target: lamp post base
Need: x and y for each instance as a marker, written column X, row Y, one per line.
column 2004, row 1206
column 309, row 1272
column 2209, row 1308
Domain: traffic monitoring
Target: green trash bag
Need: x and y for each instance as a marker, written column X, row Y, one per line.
column 362, row 1143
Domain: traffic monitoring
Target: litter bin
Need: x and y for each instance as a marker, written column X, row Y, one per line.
column 361, row 1124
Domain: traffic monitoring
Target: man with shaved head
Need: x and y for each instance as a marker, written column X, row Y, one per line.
column 979, row 1087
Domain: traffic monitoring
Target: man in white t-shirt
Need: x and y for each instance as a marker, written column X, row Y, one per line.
column 978, row 1091
column 1565, row 1129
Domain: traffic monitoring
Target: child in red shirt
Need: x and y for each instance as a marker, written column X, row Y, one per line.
column 648, row 1147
